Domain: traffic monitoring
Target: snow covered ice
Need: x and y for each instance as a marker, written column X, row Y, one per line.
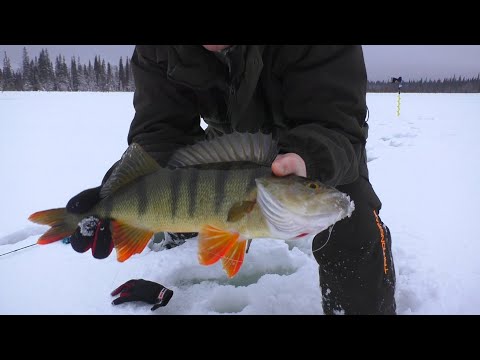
column 423, row 164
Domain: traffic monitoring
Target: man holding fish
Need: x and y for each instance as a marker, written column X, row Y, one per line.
column 283, row 156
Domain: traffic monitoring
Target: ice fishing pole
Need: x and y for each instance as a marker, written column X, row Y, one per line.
column 18, row 249
column 399, row 81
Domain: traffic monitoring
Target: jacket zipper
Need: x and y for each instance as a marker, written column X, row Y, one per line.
column 231, row 99
column 231, row 92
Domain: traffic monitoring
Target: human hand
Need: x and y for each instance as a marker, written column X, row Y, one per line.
column 92, row 232
column 142, row 290
column 290, row 163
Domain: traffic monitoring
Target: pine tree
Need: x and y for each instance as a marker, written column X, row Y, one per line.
column 17, row 81
column 46, row 75
column 8, row 79
column 121, row 75
column 110, row 84
column 84, row 73
column 114, row 82
column 82, row 82
column 97, row 67
column 116, row 78
column 128, row 77
column 66, row 71
column 26, row 71
column 90, row 77
column 74, row 76
column 62, row 82
column 103, row 75
column 50, row 72
column 34, row 75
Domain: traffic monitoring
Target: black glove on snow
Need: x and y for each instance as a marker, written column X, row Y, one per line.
column 143, row 290
column 92, row 233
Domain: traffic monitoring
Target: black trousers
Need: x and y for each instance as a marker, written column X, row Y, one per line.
column 357, row 274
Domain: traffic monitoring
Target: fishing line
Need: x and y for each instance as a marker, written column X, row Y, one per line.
column 18, row 249
column 329, row 234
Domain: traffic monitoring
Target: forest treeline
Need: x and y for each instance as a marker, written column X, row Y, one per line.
column 44, row 74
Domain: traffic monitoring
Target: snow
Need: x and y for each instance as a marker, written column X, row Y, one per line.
column 423, row 165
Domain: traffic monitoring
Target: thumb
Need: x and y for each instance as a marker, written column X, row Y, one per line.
column 125, row 298
column 290, row 163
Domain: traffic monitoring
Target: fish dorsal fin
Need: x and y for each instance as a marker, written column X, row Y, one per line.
column 135, row 162
column 257, row 148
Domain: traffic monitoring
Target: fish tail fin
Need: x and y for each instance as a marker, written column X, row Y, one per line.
column 215, row 244
column 128, row 240
column 61, row 222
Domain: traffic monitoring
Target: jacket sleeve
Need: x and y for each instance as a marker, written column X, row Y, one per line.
column 166, row 113
column 324, row 100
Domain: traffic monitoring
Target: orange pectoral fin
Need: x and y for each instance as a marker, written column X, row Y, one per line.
column 233, row 258
column 128, row 240
column 214, row 243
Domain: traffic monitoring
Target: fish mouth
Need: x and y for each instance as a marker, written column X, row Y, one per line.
column 287, row 224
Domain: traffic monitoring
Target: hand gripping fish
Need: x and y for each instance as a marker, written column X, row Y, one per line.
column 223, row 189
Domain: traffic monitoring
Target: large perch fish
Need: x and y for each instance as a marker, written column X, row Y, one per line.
column 223, row 189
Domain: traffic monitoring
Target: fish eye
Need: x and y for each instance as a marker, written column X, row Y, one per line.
column 312, row 185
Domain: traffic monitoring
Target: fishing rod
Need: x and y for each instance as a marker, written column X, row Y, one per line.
column 18, row 249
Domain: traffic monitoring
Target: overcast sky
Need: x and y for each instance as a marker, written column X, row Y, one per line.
column 383, row 61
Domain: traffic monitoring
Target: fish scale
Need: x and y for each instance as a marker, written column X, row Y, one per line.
column 159, row 214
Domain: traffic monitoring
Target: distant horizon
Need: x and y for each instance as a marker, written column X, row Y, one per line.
column 412, row 62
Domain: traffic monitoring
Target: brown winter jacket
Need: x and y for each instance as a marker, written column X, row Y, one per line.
column 312, row 96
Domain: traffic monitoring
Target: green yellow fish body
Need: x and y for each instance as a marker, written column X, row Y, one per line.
column 182, row 200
